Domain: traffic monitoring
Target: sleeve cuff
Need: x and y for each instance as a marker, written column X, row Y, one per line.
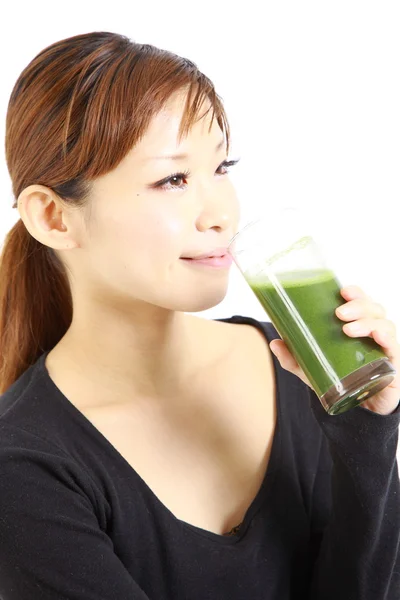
column 358, row 430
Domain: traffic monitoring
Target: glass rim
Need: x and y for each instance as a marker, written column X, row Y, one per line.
column 242, row 229
column 262, row 217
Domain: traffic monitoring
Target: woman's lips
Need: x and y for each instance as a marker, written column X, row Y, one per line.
column 219, row 262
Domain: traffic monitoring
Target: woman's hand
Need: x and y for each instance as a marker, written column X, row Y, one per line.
column 365, row 318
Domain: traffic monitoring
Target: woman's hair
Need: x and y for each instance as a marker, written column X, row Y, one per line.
column 74, row 113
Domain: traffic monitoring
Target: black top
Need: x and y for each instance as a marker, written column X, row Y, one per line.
column 78, row 523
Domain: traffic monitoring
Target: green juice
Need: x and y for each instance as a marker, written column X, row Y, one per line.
column 302, row 306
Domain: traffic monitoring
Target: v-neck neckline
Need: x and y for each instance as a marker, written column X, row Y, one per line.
column 271, row 470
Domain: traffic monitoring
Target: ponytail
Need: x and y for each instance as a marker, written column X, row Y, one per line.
column 35, row 303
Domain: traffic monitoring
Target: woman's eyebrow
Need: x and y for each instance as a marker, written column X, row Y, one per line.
column 180, row 156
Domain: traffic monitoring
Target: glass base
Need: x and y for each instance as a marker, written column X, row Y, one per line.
column 359, row 386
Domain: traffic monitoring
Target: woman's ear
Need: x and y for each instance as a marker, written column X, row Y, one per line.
column 45, row 217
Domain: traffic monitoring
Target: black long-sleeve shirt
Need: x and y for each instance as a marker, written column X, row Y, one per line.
column 77, row 522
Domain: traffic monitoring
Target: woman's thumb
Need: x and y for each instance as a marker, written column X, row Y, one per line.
column 282, row 353
column 287, row 360
column 275, row 348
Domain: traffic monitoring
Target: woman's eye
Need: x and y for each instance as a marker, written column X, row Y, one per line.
column 171, row 181
column 177, row 177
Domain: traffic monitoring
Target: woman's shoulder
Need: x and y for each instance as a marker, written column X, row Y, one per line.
column 293, row 396
column 31, row 418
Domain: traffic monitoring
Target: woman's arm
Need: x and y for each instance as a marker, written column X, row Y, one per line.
column 51, row 544
column 359, row 545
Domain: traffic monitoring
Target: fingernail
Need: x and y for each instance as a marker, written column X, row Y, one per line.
column 345, row 311
column 354, row 328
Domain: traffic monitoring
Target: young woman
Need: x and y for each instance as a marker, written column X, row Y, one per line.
column 146, row 453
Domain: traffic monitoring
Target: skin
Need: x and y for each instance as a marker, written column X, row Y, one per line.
column 130, row 289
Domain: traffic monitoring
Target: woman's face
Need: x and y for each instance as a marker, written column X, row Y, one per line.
column 139, row 230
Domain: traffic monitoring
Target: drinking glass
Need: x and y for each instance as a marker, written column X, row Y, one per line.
column 288, row 272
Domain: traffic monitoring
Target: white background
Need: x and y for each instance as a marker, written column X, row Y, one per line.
column 313, row 98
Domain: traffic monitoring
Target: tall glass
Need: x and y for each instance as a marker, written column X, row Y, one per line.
column 286, row 269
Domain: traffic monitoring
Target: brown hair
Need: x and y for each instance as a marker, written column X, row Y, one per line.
column 74, row 113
